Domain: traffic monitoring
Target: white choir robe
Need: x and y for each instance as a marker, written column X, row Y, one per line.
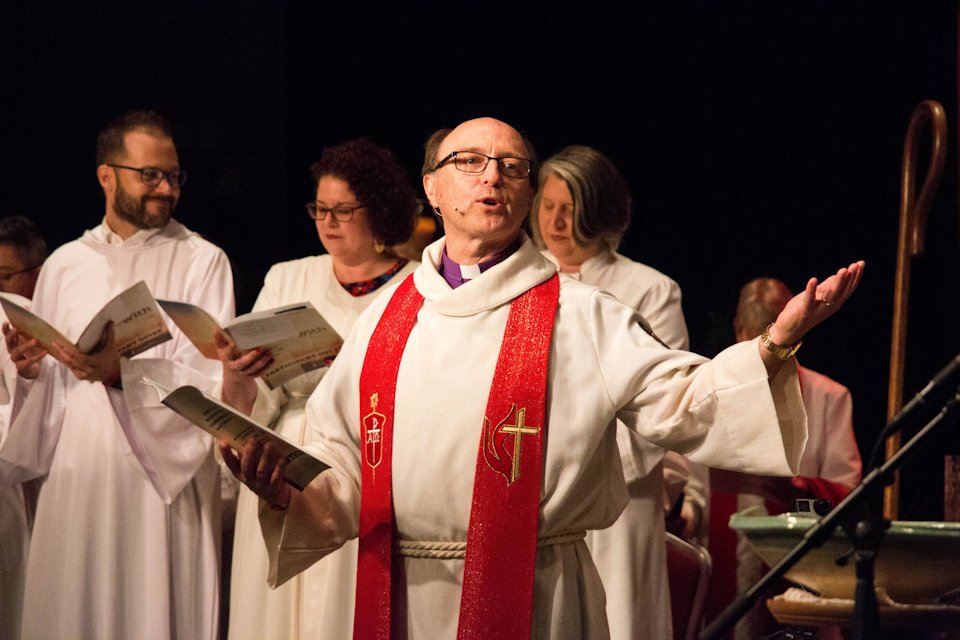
column 631, row 554
column 603, row 366
column 317, row 603
column 125, row 542
column 14, row 526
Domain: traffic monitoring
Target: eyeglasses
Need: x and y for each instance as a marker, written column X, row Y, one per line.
column 151, row 176
column 341, row 212
column 472, row 162
column 5, row 276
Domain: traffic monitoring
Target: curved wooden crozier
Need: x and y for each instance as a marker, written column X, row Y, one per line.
column 928, row 114
column 861, row 525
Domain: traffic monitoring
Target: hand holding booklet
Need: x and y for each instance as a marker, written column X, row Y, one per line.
column 137, row 324
column 297, row 336
column 225, row 423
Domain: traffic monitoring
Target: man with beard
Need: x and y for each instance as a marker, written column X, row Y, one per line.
column 125, row 540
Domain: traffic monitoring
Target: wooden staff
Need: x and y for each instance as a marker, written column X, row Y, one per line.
column 913, row 222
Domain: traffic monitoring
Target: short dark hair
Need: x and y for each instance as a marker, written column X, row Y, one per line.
column 378, row 181
column 601, row 197
column 110, row 143
column 761, row 301
column 432, row 147
column 430, row 150
column 21, row 233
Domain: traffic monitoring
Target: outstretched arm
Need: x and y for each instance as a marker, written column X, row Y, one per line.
column 817, row 302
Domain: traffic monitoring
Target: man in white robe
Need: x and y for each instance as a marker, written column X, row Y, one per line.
column 126, row 537
column 602, row 366
column 14, row 511
column 22, row 252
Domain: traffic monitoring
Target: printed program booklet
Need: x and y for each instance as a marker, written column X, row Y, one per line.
column 297, row 335
column 137, row 323
column 226, row 423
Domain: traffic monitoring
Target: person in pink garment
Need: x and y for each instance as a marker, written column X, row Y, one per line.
column 829, row 469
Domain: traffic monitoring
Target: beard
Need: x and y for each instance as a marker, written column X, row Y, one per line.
column 135, row 212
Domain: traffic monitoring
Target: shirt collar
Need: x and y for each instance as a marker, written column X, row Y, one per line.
column 456, row 274
column 140, row 237
column 594, row 262
column 523, row 269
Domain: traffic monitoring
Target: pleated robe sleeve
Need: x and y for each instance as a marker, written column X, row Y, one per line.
column 722, row 412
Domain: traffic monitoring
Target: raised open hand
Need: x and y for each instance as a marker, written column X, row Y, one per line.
column 817, row 302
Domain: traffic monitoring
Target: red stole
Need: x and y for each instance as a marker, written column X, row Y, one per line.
column 497, row 596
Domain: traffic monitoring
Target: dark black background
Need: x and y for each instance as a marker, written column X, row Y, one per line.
column 759, row 138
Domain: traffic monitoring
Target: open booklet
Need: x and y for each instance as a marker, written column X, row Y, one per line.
column 137, row 323
column 297, row 336
column 225, row 423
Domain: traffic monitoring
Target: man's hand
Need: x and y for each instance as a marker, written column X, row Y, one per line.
column 817, row 302
column 25, row 352
column 239, row 371
column 261, row 469
column 102, row 365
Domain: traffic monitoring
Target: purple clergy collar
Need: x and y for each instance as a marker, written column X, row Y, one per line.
column 456, row 275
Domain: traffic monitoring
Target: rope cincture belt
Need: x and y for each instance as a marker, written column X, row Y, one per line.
column 454, row 550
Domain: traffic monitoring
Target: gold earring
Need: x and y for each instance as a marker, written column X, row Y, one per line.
column 378, row 246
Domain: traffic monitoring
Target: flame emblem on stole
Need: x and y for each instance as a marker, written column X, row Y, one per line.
column 500, row 457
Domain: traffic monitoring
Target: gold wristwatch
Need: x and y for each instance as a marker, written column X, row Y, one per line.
column 780, row 351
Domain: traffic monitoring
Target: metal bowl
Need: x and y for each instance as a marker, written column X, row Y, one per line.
column 917, row 563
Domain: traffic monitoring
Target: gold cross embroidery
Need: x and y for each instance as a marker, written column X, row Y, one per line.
column 518, row 430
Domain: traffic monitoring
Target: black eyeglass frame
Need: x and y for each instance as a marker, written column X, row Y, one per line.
column 174, row 178
column 314, row 211
column 510, row 173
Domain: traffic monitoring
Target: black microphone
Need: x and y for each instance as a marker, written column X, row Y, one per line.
column 945, row 377
column 948, row 376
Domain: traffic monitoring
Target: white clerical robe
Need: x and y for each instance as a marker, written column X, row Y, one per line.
column 317, row 603
column 126, row 538
column 603, row 366
column 14, row 527
column 630, row 554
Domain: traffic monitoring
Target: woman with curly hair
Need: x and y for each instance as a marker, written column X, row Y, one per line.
column 363, row 206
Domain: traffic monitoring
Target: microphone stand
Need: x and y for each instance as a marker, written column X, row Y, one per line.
column 862, row 524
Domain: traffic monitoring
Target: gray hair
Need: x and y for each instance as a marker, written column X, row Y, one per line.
column 601, row 197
